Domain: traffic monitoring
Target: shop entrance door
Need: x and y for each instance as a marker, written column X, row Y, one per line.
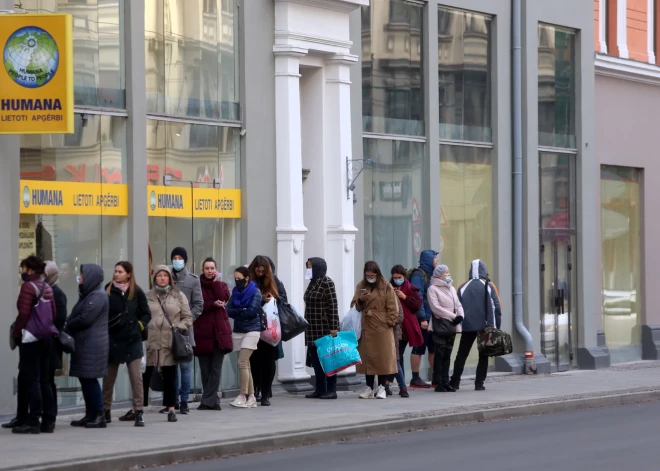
column 558, row 323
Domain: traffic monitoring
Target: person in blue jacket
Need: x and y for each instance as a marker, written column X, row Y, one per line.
column 421, row 278
column 244, row 307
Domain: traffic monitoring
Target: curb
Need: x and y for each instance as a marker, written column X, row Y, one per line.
column 266, row 443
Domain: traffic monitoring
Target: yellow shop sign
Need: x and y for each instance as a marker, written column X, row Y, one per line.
column 181, row 202
column 36, row 80
column 94, row 199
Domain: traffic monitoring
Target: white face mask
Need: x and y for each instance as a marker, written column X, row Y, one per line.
column 308, row 274
column 372, row 280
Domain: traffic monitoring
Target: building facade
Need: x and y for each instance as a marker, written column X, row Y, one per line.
column 356, row 130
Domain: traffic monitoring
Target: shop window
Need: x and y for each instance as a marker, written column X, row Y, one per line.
column 620, row 217
column 191, row 58
column 464, row 70
column 391, row 68
column 556, row 75
column 98, row 59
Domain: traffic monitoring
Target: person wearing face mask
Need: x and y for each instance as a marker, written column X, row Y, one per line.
column 411, row 334
column 375, row 299
column 322, row 314
column 169, row 308
column 446, row 323
column 88, row 324
column 244, row 307
column 189, row 285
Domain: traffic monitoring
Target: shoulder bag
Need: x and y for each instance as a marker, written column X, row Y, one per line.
column 182, row 350
column 443, row 327
column 491, row 341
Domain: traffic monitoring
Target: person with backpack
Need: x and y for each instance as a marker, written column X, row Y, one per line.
column 420, row 278
column 482, row 308
column 33, row 333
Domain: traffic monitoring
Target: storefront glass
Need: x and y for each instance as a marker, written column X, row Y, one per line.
column 392, row 93
column 393, row 223
column 93, row 157
column 98, row 54
column 464, row 40
column 556, row 71
column 191, row 51
column 620, row 202
column 195, row 155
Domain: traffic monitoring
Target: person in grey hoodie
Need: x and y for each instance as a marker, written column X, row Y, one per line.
column 88, row 324
column 189, row 285
column 481, row 305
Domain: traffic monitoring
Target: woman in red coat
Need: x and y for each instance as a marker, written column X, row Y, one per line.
column 212, row 334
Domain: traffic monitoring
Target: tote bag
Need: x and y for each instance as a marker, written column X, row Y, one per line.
column 338, row 353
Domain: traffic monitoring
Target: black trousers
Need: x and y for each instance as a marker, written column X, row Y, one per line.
column 324, row 384
column 169, row 383
column 464, row 347
column 262, row 364
column 34, row 372
column 22, row 404
column 444, row 344
column 382, row 380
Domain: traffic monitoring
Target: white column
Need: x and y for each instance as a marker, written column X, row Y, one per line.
column 290, row 224
column 650, row 30
column 602, row 25
column 621, row 28
column 338, row 205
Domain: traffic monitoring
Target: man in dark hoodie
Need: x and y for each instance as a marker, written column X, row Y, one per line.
column 421, row 278
column 481, row 305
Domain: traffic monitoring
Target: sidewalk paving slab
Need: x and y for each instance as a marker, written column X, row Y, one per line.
column 294, row 421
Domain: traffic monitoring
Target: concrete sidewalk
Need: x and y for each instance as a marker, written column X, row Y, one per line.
column 295, row 421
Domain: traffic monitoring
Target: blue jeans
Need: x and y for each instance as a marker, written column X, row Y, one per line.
column 91, row 390
column 183, row 381
column 400, row 378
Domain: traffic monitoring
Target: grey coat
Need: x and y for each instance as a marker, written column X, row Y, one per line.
column 189, row 285
column 88, row 324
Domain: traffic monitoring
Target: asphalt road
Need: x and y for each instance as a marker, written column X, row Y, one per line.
column 621, row 438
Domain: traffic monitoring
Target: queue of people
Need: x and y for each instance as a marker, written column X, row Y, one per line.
column 118, row 323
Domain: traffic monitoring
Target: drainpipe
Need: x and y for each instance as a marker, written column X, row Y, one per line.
column 530, row 365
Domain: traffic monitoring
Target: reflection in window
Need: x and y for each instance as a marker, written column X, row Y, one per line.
column 393, row 189
column 557, row 174
column 191, row 56
column 464, row 75
column 556, row 87
column 98, row 59
column 620, row 239
column 392, row 98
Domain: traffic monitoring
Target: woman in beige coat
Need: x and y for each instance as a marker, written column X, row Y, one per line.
column 375, row 299
column 165, row 301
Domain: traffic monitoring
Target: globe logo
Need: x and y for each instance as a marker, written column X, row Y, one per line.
column 26, row 196
column 31, row 57
column 152, row 200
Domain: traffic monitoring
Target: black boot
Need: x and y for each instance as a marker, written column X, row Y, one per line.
column 13, row 423
column 81, row 422
column 257, row 394
column 97, row 422
column 48, row 427
column 314, row 395
column 27, row 429
column 108, row 417
column 139, row 421
column 127, row 417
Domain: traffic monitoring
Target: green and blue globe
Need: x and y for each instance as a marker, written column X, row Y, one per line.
column 31, row 57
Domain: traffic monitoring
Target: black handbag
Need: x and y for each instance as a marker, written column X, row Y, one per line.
column 182, row 350
column 156, row 383
column 292, row 323
column 442, row 326
column 66, row 342
column 12, row 341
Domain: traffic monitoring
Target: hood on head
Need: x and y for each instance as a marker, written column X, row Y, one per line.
column 159, row 269
column 51, row 272
column 319, row 267
column 92, row 277
column 478, row 269
column 272, row 264
column 426, row 260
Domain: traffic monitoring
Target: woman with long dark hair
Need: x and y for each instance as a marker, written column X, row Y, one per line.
column 128, row 320
column 375, row 299
column 264, row 358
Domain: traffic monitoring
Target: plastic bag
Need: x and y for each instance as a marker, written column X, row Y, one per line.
column 352, row 321
column 293, row 324
column 143, row 363
column 273, row 333
column 338, row 353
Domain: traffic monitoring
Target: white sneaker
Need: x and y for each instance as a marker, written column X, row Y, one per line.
column 380, row 393
column 251, row 402
column 240, row 401
column 367, row 393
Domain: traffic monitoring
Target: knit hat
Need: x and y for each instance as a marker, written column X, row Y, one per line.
column 440, row 270
column 181, row 252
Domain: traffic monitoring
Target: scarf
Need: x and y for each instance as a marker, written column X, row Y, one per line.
column 242, row 298
column 51, row 272
column 123, row 287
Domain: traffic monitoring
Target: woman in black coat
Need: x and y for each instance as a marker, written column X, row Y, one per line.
column 128, row 318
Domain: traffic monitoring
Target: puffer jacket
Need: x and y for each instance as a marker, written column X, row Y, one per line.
column 88, row 325
column 212, row 327
column 246, row 319
column 26, row 300
column 444, row 302
column 159, row 341
column 421, row 279
column 481, row 301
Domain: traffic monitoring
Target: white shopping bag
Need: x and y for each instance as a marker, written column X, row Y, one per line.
column 352, row 321
column 273, row 333
column 143, row 364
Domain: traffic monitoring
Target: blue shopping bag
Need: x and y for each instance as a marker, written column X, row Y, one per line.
column 338, row 353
